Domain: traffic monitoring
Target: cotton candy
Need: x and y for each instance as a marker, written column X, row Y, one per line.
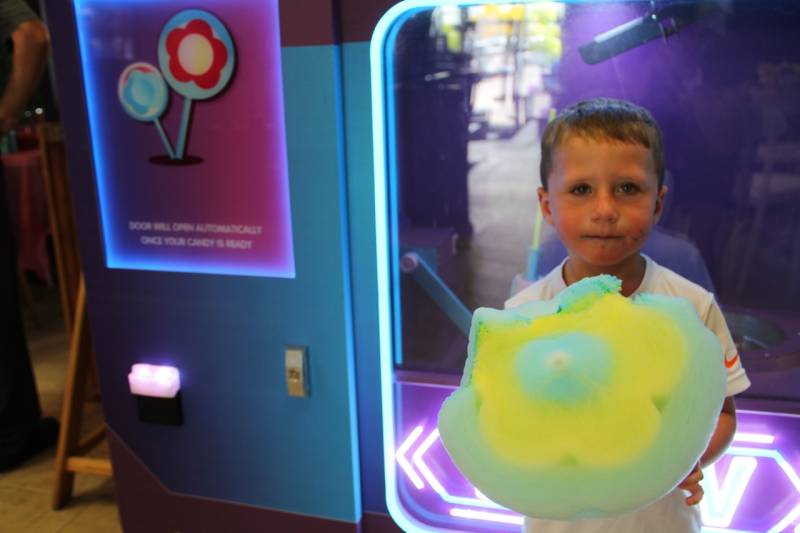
column 588, row 405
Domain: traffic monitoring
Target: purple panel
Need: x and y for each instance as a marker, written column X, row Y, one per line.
column 771, row 495
column 753, row 487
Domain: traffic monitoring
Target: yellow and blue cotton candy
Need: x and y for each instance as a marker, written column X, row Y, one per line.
column 587, row 405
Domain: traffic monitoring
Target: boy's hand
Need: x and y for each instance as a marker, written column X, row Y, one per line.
column 692, row 484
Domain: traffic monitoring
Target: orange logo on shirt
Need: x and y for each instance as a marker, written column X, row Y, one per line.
column 730, row 362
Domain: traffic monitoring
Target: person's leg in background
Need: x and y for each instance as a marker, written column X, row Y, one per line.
column 23, row 432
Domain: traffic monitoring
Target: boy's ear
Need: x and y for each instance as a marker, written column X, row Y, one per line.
column 662, row 193
column 544, row 204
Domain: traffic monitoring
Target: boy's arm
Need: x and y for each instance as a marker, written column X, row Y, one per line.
column 720, row 440
column 726, row 424
column 723, row 434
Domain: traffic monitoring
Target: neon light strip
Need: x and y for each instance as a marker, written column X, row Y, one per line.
column 378, row 72
column 403, row 462
column 391, row 182
column 487, row 516
column 772, row 454
column 437, row 486
column 787, row 469
column 724, row 530
column 95, row 127
column 722, row 501
column 426, row 472
column 756, row 438
column 788, row 519
column 480, row 495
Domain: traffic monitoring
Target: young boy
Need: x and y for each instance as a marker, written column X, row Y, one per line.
column 602, row 190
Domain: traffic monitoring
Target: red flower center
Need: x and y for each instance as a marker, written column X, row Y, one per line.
column 196, row 55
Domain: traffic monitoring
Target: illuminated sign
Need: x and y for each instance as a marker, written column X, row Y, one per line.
column 185, row 108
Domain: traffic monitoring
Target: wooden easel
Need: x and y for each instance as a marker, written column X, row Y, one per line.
column 70, row 457
column 81, row 375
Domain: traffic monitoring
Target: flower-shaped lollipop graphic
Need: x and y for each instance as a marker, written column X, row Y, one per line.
column 143, row 95
column 196, row 55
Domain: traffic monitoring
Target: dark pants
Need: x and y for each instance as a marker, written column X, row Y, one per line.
column 19, row 401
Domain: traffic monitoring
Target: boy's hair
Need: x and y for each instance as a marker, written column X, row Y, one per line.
column 603, row 119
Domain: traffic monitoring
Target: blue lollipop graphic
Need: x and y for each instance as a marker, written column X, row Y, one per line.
column 143, row 95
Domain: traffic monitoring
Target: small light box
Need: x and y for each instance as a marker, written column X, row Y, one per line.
column 155, row 381
column 157, row 390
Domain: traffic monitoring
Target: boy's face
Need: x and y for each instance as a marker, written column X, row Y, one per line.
column 602, row 198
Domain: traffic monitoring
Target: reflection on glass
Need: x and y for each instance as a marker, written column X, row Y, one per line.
column 473, row 87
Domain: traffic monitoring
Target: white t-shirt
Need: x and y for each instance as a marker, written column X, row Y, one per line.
column 670, row 514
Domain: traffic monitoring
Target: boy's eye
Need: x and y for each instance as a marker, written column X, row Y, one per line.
column 628, row 188
column 580, row 190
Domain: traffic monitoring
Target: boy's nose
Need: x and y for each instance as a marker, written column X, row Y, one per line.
column 605, row 209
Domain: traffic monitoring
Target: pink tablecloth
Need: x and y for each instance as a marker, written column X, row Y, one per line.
column 27, row 205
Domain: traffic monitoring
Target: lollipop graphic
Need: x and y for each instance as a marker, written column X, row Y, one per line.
column 143, row 95
column 196, row 55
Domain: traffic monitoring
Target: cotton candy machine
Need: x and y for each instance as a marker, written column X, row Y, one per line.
column 462, row 93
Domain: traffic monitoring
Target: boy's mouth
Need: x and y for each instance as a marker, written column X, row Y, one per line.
column 603, row 237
